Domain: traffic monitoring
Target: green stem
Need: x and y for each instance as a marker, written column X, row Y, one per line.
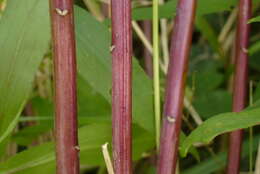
column 156, row 75
column 251, row 138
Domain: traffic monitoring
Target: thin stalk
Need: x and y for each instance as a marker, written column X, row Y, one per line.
column 194, row 114
column 143, row 37
column 63, row 39
column 148, row 66
column 164, row 40
column 176, row 78
column 148, row 60
column 251, row 132
column 122, row 85
column 105, row 9
column 94, row 8
column 147, row 43
column 251, row 153
column 156, row 72
column 148, row 48
column 257, row 164
column 228, row 43
column 240, row 93
column 228, row 26
column 107, row 159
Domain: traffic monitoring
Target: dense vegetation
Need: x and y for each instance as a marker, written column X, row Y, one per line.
column 204, row 40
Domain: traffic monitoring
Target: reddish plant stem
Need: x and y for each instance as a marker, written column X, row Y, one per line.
column 240, row 89
column 148, row 61
column 180, row 48
column 121, row 85
column 63, row 39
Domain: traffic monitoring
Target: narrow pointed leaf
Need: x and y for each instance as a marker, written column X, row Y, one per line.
column 24, row 38
column 220, row 124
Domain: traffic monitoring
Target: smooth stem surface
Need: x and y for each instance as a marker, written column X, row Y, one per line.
column 251, row 131
column 240, row 92
column 121, row 85
column 156, row 72
column 180, row 48
column 64, row 55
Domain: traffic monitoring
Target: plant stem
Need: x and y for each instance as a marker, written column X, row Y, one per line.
column 156, row 72
column 240, row 82
column 145, row 40
column 105, row 9
column 180, row 48
column 107, row 159
column 164, row 40
column 148, row 61
column 257, row 164
column 228, row 26
column 122, row 85
column 251, row 131
column 94, row 8
column 63, row 39
column 148, row 66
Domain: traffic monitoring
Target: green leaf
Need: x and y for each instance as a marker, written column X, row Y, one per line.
column 94, row 66
column 256, row 95
column 255, row 19
column 91, row 137
column 193, row 151
column 206, row 81
column 24, row 38
column 218, row 162
column 220, row 124
column 210, row 34
column 254, row 61
column 215, row 102
column 254, row 48
column 169, row 9
column 27, row 135
column 90, row 102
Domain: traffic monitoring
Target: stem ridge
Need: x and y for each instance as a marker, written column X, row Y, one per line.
column 122, row 85
column 240, row 89
column 64, row 53
column 180, row 48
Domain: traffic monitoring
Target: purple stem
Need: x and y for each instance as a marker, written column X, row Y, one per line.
column 180, row 48
column 122, row 85
column 240, row 87
column 64, row 54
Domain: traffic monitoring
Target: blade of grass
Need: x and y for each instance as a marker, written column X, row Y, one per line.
column 122, row 85
column 156, row 72
column 180, row 47
column 251, row 131
column 63, row 39
column 240, row 93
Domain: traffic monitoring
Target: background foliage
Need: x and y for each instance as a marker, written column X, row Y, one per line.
column 26, row 106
